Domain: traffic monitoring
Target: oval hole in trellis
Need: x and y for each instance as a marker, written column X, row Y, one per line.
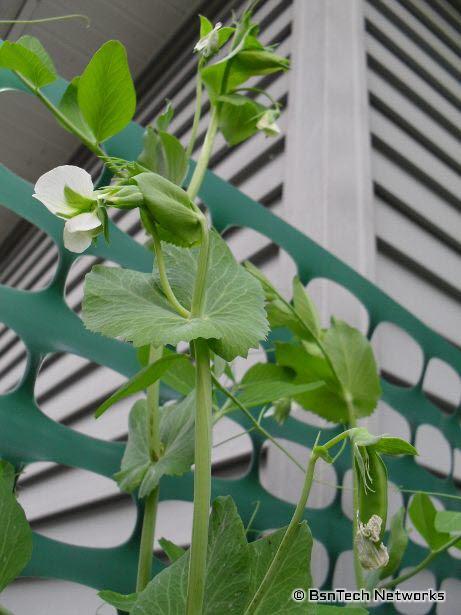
column 457, row 464
column 399, row 356
column 81, row 507
column 434, row 450
column 13, row 359
column 174, row 521
column 452, row 587
column 231, row 458
column 69, row 388
column 306, row 416
column 276, row 264
column 333, row 299
column 29, row 256
column 73, row 292
column 419, row 582
column 283, row 479
column 343, row 575
column 51, row 595
column 442, row 385
column 387, row 420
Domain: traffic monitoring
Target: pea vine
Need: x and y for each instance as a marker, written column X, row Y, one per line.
column 199, row 295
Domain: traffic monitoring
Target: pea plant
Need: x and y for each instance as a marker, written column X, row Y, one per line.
column 199, row 296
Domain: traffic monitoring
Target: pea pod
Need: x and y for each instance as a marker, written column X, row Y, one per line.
column 373, row 487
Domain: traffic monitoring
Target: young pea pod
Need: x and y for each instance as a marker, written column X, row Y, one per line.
column 372, row 490
column 371, row 479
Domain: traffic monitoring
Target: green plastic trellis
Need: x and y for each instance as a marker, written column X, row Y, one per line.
column 27, row 435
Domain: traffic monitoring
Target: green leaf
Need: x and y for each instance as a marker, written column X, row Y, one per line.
column 171, row 208
column 355, row 366
column 164, row 154
column 205, row 26
column 397, row 544
column 143, row 379
column 68, row 106
column 172, row 551
column 326, row 401
column 7, row 474
column 306, row 309
column 122, row 602
column 388, row 445
column 226, row 584
column 120, row 302
column 423, row 513
column 267, row 372
column 182, row 377
column 15, row 532
column 106, row 94
column 238, row 117
column 28, row 57
column 177, row 436
column 293, row 574
column 163, row 121
column 448, row 521
column 260, row 393
column 248, row 59
column 355, row 374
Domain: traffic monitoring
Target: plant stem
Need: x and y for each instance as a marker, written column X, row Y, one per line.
column 284, row 547
column 150, row 505
column 91, row 145
column 359, row 578
column 202, row 480
column 204, row 400
column 4, row 611
column 422, row 564
column 164, row 281
column 204, row 158
column 198, row 110
column 261, row 429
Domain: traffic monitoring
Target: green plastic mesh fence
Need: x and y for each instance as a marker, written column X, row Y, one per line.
column 45, row 324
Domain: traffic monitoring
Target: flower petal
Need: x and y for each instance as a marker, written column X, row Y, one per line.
column 83, row 222
column 49, row 188
column 77, row 242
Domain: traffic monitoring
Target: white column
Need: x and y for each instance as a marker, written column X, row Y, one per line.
column 328, row 185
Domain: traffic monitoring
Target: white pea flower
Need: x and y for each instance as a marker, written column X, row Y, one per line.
column 267, row 123
column 371, row 551
column 209, row 43
column 68, row 192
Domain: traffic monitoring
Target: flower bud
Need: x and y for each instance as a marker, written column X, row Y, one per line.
column 125, row 197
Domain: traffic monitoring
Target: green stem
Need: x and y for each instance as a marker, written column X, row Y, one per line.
column 147, row 540
column 285, row 545
column 4, row 610
column 202, row 480
column 261, row 429
column 48, row 19
column 204, row 158
column 198, row 111
column 91, row 145
column 359, row 577
column 423, row 564
column 150, row 505
column 164, row 281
